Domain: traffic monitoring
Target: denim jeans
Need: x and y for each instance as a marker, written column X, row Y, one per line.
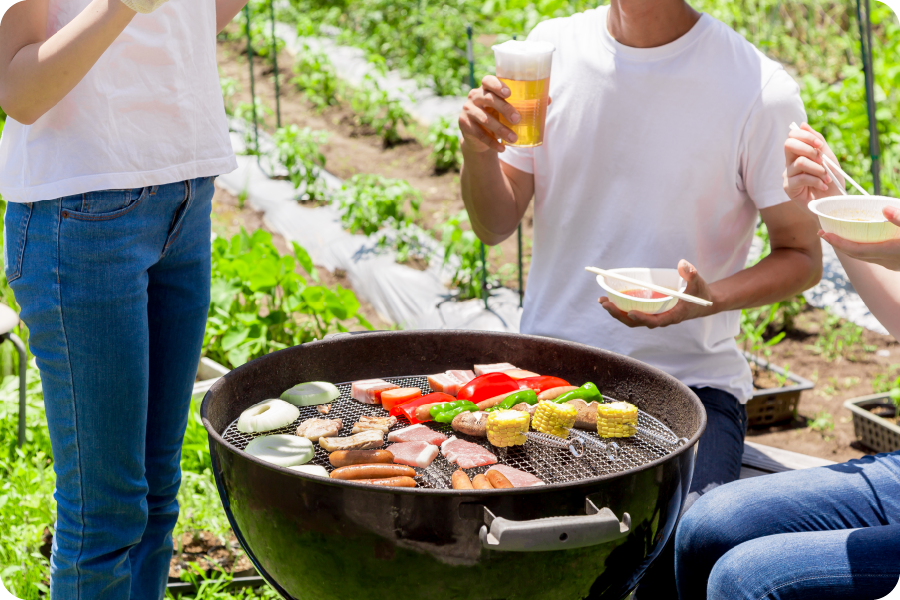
column 719, row 454
column 826, row 533
column 114, row 287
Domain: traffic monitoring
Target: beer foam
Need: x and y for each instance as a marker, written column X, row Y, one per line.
column 523, row 61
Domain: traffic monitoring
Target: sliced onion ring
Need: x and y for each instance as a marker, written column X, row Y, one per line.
column 267, row 416
column 311, row 393
column 311, row 470
column 283, row 449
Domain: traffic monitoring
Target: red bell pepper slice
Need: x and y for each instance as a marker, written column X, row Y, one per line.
column 408, row 409
column 487, row 386
column 539, row 384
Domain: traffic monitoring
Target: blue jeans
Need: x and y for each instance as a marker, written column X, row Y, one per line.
column 719, row 454
column 827, row 533
column 114, row 287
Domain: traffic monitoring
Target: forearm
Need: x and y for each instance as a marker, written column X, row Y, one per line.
column 489, row 197
column 226, row 10
column 879, row 288
column 43, row 73
column 780, row 276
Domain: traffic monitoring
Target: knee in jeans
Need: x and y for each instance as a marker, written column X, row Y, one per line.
column 736, row 576
column 704, row 526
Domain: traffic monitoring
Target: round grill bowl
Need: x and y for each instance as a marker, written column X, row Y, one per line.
column 325, row 539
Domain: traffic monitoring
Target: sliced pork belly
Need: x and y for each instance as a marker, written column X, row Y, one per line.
column 414, row 454
column 368, row 391
column 443, row 382
column 417, row 433
column 494, row 368
column 466, row 454
column 518, row 478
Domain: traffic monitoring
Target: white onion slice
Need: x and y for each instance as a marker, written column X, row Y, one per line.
column 283, row 449
column 311, row 470
column 267, row 415
column 311, row 393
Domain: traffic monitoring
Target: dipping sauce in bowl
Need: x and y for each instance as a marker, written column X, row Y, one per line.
column 857, row 218
column 627, row 297
column 643, row 294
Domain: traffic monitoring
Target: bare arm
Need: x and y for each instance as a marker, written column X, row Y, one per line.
column 226, row 10
column 36, row 72
column 879, row 288
column 794, row 265
column 496, row 195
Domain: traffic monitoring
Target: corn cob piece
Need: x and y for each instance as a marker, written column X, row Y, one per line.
column 616, row 420
column 507, row 428
column 554, row 419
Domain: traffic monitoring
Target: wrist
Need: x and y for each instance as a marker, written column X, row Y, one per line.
column 471, row 149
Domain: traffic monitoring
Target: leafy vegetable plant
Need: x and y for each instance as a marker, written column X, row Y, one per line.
column 298, row 150
column 373, row 107
column 443, row 137
column 462, row 251
column 316, row 78
column 260, row 303
column 368, row 202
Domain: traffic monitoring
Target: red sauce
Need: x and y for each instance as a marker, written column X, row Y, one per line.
column 643, row 294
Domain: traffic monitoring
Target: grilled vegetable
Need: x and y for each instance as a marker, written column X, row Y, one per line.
column 471, row 423
column 616, row 419
column 588, row 392
column 444, row 413
column 391, row 398
column 487, row 386
column 526, row 396
column 311, row 470
column 283, row 450
column 507, row 428
column 498, row 479
column 554, row 393
column 408, row 409
column 267, row 416
column 311, row 393
column 492, row 402
column 554, row 419
column 539, row 384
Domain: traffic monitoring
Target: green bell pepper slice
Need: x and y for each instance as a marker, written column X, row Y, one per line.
column 447, row 416
column 588, row 392
column 445, row 406
column 526, row 396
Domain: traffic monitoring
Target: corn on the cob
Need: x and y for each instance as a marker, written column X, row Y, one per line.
column 554, row 419
column 507, row 427
column 616, row 419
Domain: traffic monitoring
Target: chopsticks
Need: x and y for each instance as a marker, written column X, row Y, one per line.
column 828, row 161
column 650, row 286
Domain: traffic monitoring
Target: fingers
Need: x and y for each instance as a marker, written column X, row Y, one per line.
column 892, row 214
column 493, row 95
column 493, row 84
column 873, row 253
column 617, row 314
column 475, row 134
column 794, row 148
column 481, row 110
column 689, row 273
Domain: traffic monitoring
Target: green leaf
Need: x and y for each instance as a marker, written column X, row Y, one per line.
column 233, row 338
column 305, row 261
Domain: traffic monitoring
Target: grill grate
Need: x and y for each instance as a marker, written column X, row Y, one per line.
column 552, row 465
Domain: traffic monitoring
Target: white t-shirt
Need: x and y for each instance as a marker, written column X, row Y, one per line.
column 652, row 155
column 150, row 112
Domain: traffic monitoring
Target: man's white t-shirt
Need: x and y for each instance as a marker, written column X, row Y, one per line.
column 150, row 112
column 652, row 155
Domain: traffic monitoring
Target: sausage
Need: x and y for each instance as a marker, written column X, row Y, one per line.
column 496, row 479
column 554, row 393
column 461, row 480
column 390, row 482
column 423, row 412
column 373, row 471
column 492, row 402
column 342, row 458
column 480, row 482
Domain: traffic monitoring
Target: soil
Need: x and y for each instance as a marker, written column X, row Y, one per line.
column 351, row 149
column 203, row 550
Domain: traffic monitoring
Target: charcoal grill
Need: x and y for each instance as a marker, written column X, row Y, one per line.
column 312, row 537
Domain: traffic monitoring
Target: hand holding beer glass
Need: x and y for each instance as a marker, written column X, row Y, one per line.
column 512, row 106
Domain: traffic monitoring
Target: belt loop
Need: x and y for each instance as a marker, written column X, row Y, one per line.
column 154, row 189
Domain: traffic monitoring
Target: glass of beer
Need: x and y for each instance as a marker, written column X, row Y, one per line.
column 524, row 67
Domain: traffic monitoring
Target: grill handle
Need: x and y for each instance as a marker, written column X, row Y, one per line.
column 598, row 526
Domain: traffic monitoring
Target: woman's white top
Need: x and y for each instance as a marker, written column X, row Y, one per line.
column 150, row 112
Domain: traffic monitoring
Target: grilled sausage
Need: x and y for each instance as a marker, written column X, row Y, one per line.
column 342, row 458
column 554, row 393
column 373, row 471
column 492, row 402
column 390, row 482
column 480, row 482
column 423, row 412
column 497, row 479
column 461, row 480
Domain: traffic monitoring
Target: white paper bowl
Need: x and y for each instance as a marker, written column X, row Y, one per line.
column 857, row 218
column 668, row 278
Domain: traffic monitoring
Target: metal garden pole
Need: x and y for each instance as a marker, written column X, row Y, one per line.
column 521, row 275
column 865, row 43
column 275, row 64
column 470, row 54
column 252, row 83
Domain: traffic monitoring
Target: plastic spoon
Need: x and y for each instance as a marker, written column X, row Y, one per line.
column 649, row 286
column 828, row 161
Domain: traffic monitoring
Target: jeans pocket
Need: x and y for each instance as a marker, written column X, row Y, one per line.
column 15, row 231
column 104, row 205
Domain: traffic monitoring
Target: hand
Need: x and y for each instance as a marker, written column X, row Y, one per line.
column 144, row 7
column 683, row 311
column 805, row 179
column 886, row 254
column 479, row 121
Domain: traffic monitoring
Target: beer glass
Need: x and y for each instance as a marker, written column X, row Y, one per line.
column 524, row 67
